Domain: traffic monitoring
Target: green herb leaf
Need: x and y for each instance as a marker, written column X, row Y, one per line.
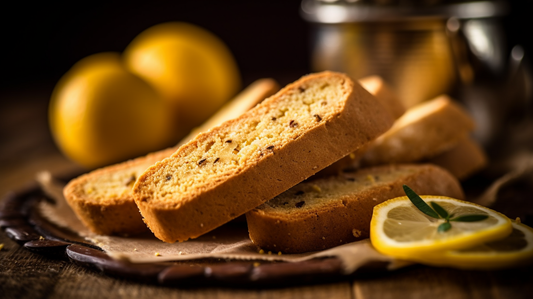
column 470, row 218
column 444, row 227
column 442, row 212
column 419, row 202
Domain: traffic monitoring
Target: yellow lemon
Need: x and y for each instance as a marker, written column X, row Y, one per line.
column 190, row 67
column 513, row 250
column 401, row 230
column 100, row 113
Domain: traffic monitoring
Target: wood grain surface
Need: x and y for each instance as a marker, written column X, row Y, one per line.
column 26, row 147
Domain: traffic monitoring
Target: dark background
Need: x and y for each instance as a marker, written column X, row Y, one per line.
column 41, row 41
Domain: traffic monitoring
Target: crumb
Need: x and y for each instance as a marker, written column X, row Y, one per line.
column 316, row 188
column 371, row 179
column 356, row 233
column 352, row 156
column 201, row 225
column 261, row 251
column 157, row 254
column 256, row 264
column 1, row 246
column 41, row 238
column 323, row 238
column 517, row 220
column 270, row 252
column 134, row 249
column 279, row 252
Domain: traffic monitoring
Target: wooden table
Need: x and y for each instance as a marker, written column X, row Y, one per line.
column 26, row 147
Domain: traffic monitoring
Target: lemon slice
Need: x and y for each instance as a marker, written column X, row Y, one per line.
column 513, row 250
column 400, row 230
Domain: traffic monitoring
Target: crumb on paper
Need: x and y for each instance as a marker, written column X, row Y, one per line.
column 157, row 254
column 134, row 249
column 356, row 233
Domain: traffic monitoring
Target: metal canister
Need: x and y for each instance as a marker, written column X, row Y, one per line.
column 421, row 48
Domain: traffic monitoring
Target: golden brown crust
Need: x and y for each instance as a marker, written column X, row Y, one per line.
column 355, row 119
column 344, row 219
column 383, row 93
column 463, row 160
column 424, row 131
column 103, row 200
column 110, row 214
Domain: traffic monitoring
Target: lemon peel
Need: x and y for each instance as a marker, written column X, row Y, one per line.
column 513, row 250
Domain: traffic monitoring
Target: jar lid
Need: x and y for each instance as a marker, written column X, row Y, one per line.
column 349, row 11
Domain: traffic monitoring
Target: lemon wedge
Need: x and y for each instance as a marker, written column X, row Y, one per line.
column 400, row 230
column 513, row 250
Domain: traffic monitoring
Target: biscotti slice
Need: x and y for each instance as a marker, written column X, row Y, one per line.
column 103, row 198
column 332, row 211
column 424, row 131
column 383, row 93
column 462, row 160
column 242, row 163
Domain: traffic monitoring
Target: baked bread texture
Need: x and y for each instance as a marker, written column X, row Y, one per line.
column 424, row 131
column 376, row 86
column 383, row 93
column 463, row 160
column 328, row 212
column 103, row 199
column 237, row 166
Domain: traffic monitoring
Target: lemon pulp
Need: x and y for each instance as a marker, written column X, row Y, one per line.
column 400, row 230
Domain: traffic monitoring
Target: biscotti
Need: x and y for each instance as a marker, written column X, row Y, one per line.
column 103, row 199
column 424, row 131
column 383, row 93
column 332, row 211
column 244, row 162
column 463, row 160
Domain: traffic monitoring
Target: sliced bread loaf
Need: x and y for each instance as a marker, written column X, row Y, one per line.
column 328, row 212
column 424, row 131
column 463, row 160
column 103, row 198
column 383, row 93
column 242, row 163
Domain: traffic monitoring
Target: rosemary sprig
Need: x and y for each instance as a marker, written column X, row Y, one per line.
column 438, row 212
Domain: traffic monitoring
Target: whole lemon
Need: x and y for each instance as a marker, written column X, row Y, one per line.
column 190, row 67
column 101, row 113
